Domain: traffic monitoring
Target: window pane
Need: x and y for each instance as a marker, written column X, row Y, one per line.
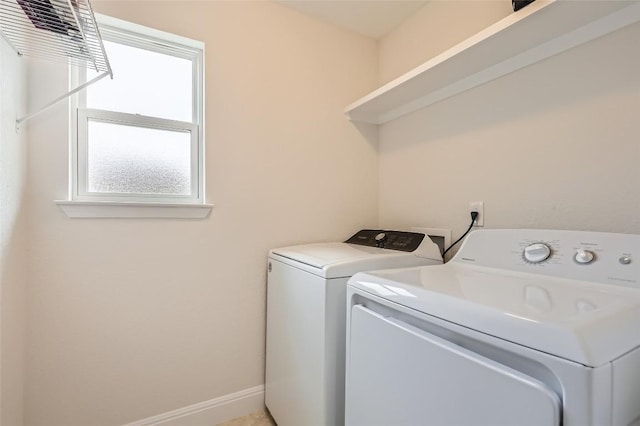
column 144, row 82
column 137, row 160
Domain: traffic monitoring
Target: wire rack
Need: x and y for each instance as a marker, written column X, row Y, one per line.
column 58, row 30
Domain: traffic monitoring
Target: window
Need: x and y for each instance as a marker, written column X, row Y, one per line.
column 139, row 137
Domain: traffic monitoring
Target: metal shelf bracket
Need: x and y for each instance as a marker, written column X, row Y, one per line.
column 60, row 99
column 57, row 30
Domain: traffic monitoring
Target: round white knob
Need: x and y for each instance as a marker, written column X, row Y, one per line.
column 536, row 253
column 381, row 239
column 625, row 260
column 584, row 257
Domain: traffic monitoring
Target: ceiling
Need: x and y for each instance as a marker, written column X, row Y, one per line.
column 372, row 18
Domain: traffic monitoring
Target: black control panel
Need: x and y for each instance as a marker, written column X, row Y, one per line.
column 393, row 240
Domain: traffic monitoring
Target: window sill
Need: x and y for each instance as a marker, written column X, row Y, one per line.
column 115, row 209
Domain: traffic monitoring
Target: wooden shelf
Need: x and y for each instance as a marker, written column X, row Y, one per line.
column 538, row 31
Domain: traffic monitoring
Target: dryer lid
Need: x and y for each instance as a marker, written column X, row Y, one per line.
column 585, row 322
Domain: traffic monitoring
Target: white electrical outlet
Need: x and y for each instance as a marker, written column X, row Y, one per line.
column 477, row 206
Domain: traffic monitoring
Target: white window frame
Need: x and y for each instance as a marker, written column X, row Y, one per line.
column 158, row 41
column 138, row 121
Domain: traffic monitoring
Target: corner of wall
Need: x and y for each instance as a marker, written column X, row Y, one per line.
column 13, row 231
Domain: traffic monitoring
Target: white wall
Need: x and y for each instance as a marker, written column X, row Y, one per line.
column 434, row 28
column 553, row 146
column 13, row 236
column 133, row 318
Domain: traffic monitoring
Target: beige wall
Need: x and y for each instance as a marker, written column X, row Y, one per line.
column 13, row 236
column 133, row 318
column 437, row 26
column 554, row 145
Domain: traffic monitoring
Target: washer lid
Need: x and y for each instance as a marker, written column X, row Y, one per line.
column 334, row 260
column 588, row 323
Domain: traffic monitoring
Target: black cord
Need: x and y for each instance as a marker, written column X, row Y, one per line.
column 474, row 216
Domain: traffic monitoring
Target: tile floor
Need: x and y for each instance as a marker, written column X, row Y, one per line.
column 260, row 418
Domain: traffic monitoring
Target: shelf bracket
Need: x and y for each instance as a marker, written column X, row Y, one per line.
column 21, row 120
column 63, row 30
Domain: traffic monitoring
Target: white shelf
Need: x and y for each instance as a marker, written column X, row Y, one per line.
column 58, row 30
column 540, row 30
column 55, row 30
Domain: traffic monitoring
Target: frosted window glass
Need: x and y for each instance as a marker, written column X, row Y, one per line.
column 137, row 160
column 144, row 82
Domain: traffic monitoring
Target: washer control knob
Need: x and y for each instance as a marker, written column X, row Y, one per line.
column 381, row 238
column 584, row 257
column 537, row 252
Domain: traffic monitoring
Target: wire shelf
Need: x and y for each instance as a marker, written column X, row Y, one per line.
column 58, row 30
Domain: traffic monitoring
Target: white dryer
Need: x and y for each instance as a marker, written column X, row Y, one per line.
column 522, row 327
column 306, row 307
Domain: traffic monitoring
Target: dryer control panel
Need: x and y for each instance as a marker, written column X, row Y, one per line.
column 392, row 240
column 589, row 256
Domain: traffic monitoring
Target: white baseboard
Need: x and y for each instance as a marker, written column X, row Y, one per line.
column 212, row 412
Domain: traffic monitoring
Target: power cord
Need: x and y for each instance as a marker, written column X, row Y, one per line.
column 474, row 216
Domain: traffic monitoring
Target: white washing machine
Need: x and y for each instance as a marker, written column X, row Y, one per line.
column 306, row 307
column 522, row 327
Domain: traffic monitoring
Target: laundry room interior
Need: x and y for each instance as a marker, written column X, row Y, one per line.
column 120, row 320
